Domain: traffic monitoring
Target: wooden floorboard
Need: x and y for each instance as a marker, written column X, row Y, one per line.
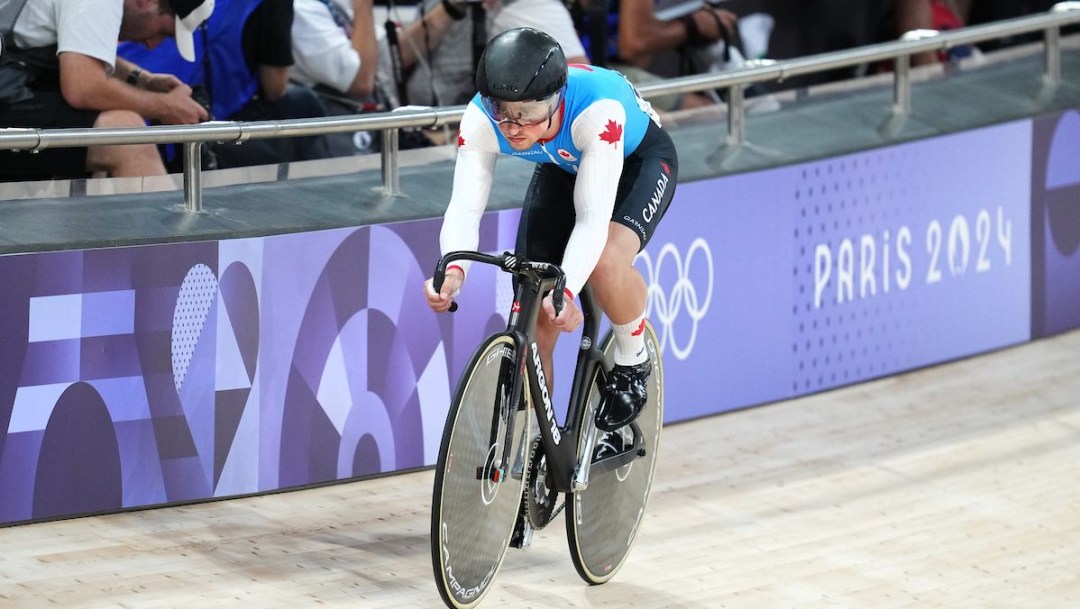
column 954, row 486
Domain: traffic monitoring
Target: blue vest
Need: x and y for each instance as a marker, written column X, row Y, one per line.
column 232, row 82
column 585, row 85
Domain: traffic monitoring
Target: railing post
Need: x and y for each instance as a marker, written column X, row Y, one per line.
column 1052, row 52
column 736, row 118
column 193, row 177
column 1052, row 44
column 902, row 85
column 389, row 154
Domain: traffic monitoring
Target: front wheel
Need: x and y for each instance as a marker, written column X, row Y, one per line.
column 603, row 519
column 477, row 492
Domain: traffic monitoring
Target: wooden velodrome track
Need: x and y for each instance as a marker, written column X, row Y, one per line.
column 954, row 486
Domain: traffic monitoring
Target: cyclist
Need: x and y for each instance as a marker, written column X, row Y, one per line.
column 605, row 175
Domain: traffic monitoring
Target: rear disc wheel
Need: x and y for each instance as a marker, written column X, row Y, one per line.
column 603, row 520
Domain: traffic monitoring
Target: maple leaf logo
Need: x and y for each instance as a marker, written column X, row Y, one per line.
column 460, row 140
column 665, row 168
column 612, row 133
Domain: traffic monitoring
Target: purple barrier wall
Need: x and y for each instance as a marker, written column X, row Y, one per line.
column 178, row 372
column 808, row 277
column 1055, row 213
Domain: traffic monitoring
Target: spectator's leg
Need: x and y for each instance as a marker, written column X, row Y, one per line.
column 302, row 102
column 126, row 160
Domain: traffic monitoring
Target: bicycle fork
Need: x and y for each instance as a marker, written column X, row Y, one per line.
column 502, row 424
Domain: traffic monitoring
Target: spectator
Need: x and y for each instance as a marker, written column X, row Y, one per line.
column 60, row 70
column 447, row 78
column 242, row 67
column 338, row 54
column 909, row 15
column 335, row 46
column 634, row 35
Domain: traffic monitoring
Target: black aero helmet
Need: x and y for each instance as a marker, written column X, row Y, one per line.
column 521, row 64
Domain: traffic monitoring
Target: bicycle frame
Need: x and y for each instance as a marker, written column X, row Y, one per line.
column 567, row 471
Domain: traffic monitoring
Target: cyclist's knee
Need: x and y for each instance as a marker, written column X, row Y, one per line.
column 622, row 244
column 613, row 272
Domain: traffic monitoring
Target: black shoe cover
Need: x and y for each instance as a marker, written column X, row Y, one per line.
column 624, row 396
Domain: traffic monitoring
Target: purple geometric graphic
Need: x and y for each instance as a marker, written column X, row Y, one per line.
column 1055, row 219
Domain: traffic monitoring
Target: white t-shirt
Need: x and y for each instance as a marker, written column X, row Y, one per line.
column 544, row 15
column 322, row 50
column 452, row 61
column 87, row 27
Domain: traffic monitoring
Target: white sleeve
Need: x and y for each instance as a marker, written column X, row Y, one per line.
column 598, row 134
column 89, row 27
column 323, row 53
column 478, row 149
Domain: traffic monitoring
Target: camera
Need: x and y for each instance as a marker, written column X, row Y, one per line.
column 202, row 97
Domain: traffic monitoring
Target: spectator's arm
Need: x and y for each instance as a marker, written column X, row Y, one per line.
column 85, row 84
column 272, row 22
column 641, row 34
column 437, row 21
column 273, row 80
column 367, row 46
column 145, row 79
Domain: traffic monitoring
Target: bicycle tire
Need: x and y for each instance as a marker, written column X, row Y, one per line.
column 603, row 520
column 472, row 516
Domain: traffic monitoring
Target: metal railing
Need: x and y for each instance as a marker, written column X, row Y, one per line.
column 734, row 82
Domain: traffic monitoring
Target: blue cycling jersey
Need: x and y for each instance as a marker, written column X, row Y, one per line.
column 586, row 85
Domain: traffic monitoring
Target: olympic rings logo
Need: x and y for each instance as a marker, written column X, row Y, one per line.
column 665, row 306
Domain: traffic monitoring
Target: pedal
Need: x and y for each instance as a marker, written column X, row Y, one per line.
column 522, row 536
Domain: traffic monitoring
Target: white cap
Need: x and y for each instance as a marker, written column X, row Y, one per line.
column 190, row 14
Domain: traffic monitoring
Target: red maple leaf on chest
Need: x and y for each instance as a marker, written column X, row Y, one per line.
column 612, row 133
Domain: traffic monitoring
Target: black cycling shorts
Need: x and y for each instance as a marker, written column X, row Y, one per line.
column 646, row 187
column 46, row 110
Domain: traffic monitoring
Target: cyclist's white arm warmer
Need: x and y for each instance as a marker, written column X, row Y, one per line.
column 594, row 193
column 478, row 149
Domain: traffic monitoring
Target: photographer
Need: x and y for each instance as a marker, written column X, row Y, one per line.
column 59, row 69
column 243, row 64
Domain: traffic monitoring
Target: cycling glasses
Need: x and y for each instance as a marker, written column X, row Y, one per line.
column 523, row 113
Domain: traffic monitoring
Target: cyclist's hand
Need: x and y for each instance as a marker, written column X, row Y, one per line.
column 568, row 319
column 440, row 302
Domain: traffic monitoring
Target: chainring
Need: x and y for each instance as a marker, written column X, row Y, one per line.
column 539, row 500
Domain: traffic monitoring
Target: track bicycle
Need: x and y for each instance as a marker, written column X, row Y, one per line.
column 496, row 481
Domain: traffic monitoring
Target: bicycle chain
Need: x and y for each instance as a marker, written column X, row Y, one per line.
column 529, row 499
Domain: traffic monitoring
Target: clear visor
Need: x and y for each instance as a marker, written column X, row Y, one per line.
column 523, row 113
